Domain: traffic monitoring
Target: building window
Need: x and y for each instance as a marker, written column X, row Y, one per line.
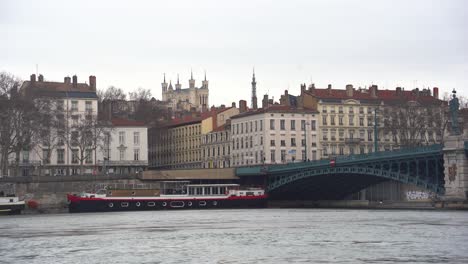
column 283, row 155
column 282, row 124
column 324, row 120
column 303, row 124
column 351, row 120
column 272, row 124
column 136, row 154
column 361, row 150
column 324, row 109
column 89, row 156
column 88, row 106
column 261, row 125
column 340, row 119
column 341, row 150
column 74, row 105
column 325, row 134
column 74, row 156
column 242, row 128
column 261, row 141
column 46, row 156
column 303, row 155
column 122, row 154
column 136, row 138
column 361, row 121
column 272, row 142
column 325, row 150
column 272, row 156
column 293, row 142
column 293, row 124
column 251, row 126
column 340, row 109
column 313, row 125
column 332, row 120
column 121, row 137
column 60, row 156
column 369, row 135
column 283, row 143
column 303, row 142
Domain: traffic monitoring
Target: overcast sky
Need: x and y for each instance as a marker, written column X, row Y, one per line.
column 130, row 44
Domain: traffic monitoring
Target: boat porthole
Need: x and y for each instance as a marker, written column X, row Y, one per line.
column 138, row 204
column 111, row 205
column 215, row 203
column 151, row 204
column 164, row 204
column 189, row 203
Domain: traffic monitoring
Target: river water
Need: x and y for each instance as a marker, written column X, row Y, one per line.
column 237, row 236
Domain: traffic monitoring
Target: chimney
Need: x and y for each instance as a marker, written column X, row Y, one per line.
column 285, row 92
column 213, row 108
column 373, row 90
column 234, row 104
column 265, row 101
column 435, row 92
column 223, row 106
column 41, row 78
column 67, row 80
column 398, row 91
column 242, row 106
column 92, row 82
column 329, row 88
column 75, row 81
column 349, row 90
column 33, row 78
column 303, row 88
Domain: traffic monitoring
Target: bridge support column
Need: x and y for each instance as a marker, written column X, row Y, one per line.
column 456, row 169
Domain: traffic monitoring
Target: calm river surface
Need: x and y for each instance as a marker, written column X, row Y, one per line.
column 237, row 236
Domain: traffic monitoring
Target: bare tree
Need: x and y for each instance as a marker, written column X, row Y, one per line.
column 140, row 94
column 86, row 134
column 111, row 93
column 412, row 124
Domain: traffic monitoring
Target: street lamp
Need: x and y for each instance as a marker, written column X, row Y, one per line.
column 376, row 137
column 305, row 140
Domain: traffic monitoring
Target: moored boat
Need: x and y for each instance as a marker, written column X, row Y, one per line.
column 171, row 196
column 9, row 203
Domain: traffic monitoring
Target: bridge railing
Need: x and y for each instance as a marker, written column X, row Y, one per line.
column 262, row 169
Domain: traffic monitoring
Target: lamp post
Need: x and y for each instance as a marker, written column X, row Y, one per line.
column 376, row 137
column 305, row 140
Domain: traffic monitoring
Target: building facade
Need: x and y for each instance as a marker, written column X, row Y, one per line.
column 178, row 144
column 71, row 105
column 125, row 148
column 216, row 148
column 277, row 134
column 186, row 98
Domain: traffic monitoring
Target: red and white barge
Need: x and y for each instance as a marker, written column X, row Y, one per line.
column 171, row 196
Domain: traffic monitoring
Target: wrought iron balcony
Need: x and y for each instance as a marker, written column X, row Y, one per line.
column 352, row 140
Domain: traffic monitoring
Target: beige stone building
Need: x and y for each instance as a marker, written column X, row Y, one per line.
column 178, row 144
column 347, row 117
column 186, row 98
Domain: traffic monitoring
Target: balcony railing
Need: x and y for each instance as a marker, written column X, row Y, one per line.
column 352, row 140
column 123, row 162
column 28, row 163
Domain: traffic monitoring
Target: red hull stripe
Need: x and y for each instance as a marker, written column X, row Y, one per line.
column 73, row 198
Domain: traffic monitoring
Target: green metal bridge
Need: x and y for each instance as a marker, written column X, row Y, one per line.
column 339, row 177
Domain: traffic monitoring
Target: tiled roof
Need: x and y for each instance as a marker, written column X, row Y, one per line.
column 274, row 109
column 127, row 122
column 59, row 89
column 388, row 96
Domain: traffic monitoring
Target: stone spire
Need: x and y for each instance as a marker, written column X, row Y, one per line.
column 205, row 83
column 254, row 91
column 191, row 81
column 178, row 86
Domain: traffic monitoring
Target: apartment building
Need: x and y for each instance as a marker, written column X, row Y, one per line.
column 274, row 134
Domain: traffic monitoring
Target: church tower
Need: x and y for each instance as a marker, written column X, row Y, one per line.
column 191, row 81
column 178, row 86
column 205, row 83
column 164, row 88
column 254, row 91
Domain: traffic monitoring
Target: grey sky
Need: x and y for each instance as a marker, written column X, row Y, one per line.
column 131, row 44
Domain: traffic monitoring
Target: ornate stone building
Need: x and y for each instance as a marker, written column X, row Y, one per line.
column 187, row 98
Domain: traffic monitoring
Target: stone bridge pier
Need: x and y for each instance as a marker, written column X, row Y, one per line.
column 456, row 167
